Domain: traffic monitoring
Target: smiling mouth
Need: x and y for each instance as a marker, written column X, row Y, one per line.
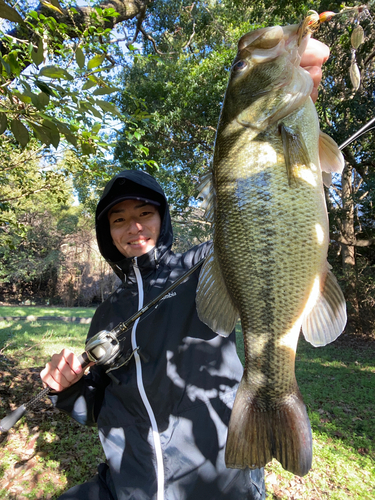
column 138, row 242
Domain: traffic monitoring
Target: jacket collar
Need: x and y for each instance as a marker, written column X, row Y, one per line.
column 146, row 263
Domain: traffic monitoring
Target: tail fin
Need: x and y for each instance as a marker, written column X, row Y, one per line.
column 256, row 435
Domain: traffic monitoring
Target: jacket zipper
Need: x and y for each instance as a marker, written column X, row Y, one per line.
column 142, row 392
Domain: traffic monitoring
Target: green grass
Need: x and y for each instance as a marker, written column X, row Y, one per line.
column 47, row 452
column 79, row 312
column 338, row 386
column 32, row 344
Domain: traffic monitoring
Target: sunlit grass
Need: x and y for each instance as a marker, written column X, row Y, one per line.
column 32, row 344
column 14, row 311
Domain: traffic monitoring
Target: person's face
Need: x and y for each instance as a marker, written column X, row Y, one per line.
column 134, row 226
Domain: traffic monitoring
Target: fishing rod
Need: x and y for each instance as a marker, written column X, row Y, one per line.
column 355, row 136
column 104, row 348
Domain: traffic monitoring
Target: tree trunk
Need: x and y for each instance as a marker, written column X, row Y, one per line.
column 348, row 251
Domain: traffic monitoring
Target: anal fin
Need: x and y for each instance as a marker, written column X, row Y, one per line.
column 327, row 319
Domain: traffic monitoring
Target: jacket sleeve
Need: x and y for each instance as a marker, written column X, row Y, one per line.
column 83, row 400
column 197, row 253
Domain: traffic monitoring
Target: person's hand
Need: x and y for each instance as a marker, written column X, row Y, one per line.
column 315, row 55
column 62, row 371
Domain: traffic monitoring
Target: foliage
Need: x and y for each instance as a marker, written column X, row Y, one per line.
column 67, row 76
column 58, row 70
column 345, row 109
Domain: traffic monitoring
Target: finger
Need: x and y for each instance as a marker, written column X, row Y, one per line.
column 72, row 361
column 62, row 371
column 68, row 367
column 315, row 54
column 316, row 75
column 51, row 378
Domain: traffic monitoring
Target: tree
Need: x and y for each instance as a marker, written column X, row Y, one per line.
column 57, row 68
column 345, row 106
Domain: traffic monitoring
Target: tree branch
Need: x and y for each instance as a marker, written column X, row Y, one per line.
column 355, row 243
column 127, row 9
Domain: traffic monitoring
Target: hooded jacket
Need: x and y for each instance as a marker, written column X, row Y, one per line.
column 162, row 417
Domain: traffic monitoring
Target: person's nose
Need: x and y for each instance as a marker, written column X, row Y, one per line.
column 134, row 227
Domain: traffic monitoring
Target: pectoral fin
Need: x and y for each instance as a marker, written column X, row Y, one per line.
column 331, row 158
column 214, row 305
column 327, row 319
column 295, row 153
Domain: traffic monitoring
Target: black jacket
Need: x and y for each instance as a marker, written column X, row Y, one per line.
column 163, row 418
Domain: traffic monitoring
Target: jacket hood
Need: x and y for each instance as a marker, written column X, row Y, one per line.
column 131, row 180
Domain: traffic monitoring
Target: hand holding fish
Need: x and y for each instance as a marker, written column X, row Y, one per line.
column 315, row 55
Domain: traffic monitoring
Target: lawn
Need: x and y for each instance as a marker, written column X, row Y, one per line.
column 37, row 311
column 47, row 452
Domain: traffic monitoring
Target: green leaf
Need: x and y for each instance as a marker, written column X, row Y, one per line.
column 54, row 132
column 94, row 111
column 51, row 5
column 109, row 107
column 87, row 149
column 7, row 12
column 55, row 72
column 95, row 61
column 80, row 58
column 3, row 123
column 13, row 62
column 87, row 85
column 43, row 99
column 64, row 129
column 42, row 133
column 5, row 65
column 95, row 129
column 33, row 97
column 23, row 97
column 45, row 88
column 105, row 90
column 37, row 56
column 20, row 132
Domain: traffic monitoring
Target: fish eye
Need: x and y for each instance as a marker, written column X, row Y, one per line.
column 240, row 65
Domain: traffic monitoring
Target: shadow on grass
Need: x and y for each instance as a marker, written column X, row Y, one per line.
column 46, row 452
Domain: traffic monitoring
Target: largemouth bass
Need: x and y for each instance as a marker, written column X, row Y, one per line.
column 268, row 264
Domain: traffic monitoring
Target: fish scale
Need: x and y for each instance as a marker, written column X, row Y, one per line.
column 268, row 261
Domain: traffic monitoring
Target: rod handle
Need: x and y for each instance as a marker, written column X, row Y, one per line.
column 9, row 420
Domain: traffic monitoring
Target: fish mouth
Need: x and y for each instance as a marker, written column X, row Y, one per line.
column 268, row 43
